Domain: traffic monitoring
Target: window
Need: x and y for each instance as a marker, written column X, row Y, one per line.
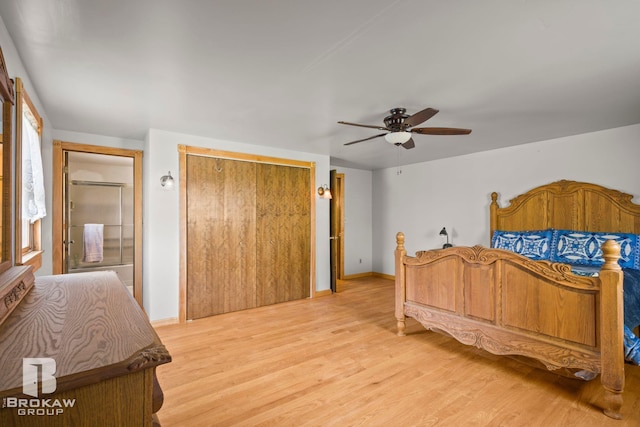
column 30, row 201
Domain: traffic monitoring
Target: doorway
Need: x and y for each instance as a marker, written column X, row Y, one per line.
column 336, row 214
column 97, row 212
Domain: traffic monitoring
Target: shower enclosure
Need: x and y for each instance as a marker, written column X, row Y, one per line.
column 109, row 204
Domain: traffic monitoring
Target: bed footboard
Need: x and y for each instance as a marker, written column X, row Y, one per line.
column 508, row 304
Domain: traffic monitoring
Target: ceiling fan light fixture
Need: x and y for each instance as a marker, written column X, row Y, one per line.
column 397, row 137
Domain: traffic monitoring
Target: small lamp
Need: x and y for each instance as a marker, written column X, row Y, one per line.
column 324, row 192
column 167, row 181
column 444, row 233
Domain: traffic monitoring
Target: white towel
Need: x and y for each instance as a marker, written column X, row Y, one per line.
column 92, row 242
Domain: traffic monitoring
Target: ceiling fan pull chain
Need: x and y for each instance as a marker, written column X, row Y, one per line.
column 398, row 169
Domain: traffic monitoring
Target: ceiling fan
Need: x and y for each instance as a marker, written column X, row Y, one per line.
column 399, row 127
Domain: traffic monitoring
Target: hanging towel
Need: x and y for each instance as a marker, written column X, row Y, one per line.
column 92, row 242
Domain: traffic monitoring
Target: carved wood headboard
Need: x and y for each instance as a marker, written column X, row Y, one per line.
column 569, row 205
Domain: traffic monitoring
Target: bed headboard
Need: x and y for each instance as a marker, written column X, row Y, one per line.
column 567, row 205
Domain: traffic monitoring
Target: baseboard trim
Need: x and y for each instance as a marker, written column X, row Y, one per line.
column 322, row 293
column 369, row 274
column 385, row 276
column 357, row 276
column 165, row 322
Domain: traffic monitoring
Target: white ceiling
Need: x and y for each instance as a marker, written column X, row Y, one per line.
column 283, row 72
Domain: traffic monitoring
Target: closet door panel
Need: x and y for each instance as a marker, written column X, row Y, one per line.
column 269, row 208
column 300, row 246
column 221, row 225
column 240, row 236
column 283, row 233
column 201, row 224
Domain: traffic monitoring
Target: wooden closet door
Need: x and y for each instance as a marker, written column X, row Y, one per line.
column 283, row 233
column 221, row 236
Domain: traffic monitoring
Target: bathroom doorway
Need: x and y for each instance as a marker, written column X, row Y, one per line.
column 98, row 212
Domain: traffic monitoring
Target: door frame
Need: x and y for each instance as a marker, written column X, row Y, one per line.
column 59, row 149
column 336, row 235
column 184, row 151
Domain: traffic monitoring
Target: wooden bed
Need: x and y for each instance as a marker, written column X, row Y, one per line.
column 508, row 304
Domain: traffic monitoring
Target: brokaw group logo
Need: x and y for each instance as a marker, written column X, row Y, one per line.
column 34, row 369
column 38, row 379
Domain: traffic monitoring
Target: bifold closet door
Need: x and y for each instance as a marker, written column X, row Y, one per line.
column 283, row 234
column 221, row 236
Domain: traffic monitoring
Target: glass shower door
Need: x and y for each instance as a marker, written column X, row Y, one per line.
column 95, row 203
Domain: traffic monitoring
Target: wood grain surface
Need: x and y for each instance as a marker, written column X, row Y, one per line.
column 221, row 249
column 568, row 205
column 348, row 368
column 87, row 322
column 15, row 284
column 248, row 235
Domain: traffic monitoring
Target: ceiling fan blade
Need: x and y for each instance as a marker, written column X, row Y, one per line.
column 366, row 139
column 409, row 144
column 364, row 126
column 441, row 131
column 420, row 116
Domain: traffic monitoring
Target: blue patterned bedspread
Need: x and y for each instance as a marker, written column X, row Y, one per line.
column 631, row 315
column 631, row 287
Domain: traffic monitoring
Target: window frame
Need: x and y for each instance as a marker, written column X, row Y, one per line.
column 31, row 253
column 7, row 99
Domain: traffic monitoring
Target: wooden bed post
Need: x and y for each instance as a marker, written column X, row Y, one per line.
column 493, row 215
column 400, row 283
column 611, row 329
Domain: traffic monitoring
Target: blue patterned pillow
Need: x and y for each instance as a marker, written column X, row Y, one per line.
column 584, row 248
column 532, row 244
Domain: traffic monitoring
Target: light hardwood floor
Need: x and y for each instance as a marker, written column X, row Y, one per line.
column 336, row 361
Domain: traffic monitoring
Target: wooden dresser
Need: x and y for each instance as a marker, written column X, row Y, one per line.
column 103, row 348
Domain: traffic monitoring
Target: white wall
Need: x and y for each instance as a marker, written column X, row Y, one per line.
column 358, row 219
column 16, row 68
column 101, row 140
column 161, row 215
column 455, row 192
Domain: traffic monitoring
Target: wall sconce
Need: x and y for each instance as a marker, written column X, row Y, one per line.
column 444, row 233
column 324, row 192
column 167, row 181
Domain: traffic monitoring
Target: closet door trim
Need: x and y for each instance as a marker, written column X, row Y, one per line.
column 184, row 151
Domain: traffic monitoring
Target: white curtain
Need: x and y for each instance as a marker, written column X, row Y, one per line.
column 33, row 203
